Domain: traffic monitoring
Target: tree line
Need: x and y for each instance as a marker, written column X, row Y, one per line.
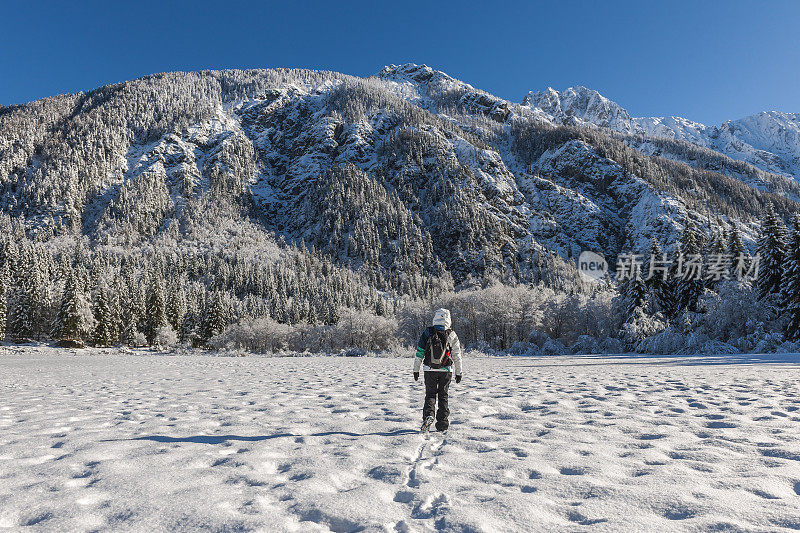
column 303, row 302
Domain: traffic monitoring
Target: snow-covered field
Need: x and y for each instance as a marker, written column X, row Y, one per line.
column 148, row 442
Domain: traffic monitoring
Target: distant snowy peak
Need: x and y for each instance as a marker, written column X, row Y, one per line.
column 769, row 140
column 421, row 74
column 771, row 131
column 435, row 86
column 580, row 106
column 675, row 128
column 427, row 81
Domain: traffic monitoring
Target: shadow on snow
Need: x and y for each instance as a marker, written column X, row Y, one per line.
column 219, row 439
column 654, row 359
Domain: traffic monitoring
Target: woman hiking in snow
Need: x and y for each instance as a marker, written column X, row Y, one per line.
column 438, row 351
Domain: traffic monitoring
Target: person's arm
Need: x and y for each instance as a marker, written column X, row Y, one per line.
column 420, row 355
column 455, row 352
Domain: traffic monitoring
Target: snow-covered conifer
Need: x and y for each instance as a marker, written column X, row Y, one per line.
column 3, row 304
column 216, row 316
column 771, row 251
column 656, row 275
column 74, row 319
column 155, row 308
column 735, row 244
column 21, row 302
column 176, row 306
column 790, row 289
column 107, row 320
column 690, row 285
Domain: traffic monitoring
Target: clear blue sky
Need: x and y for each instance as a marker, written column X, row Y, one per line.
column 705, row 60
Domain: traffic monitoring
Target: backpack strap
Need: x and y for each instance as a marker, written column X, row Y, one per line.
column 447, row 347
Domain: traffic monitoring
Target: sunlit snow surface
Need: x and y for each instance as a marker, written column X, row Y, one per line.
column 150, row 442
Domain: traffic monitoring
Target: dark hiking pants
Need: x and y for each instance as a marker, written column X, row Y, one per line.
column 436, row 385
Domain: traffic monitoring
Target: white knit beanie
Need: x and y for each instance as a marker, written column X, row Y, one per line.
column 442, row 318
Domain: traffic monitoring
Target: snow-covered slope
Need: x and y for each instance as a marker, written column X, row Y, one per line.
column 769, row 140
column 148, row 443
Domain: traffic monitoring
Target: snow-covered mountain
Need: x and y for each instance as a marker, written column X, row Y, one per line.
column 406, row 174
column 769, row 140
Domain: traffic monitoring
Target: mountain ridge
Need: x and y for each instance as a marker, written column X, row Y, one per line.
column 769, row 140
column 446, row 179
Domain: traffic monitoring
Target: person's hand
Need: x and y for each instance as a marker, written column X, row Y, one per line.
column 416, row 376
column 458, row 378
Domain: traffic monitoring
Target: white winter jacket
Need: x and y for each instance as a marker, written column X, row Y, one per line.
column 441, row 319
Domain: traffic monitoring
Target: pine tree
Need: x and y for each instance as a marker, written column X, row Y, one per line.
column 690, row 285
column 19, row 321
column 130, row 334
column 771, row 250
column 40, row 295
column 381, row 307
column 138, row 306
column 634, row 298
column 295, row 312
column 717, row 260
column 155, row 309
column 665, row 293
column 176, row 307
column 3, row 305
column 735, row 244
column 790, row 290
column 332, row 313
column 107, row 320
column 717, row 244
column 655, row 278
column 189, row 328
column 216, row 317
column 312, row 313
column 74, row 319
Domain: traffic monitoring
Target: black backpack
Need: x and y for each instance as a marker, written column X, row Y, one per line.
column 437, row 352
